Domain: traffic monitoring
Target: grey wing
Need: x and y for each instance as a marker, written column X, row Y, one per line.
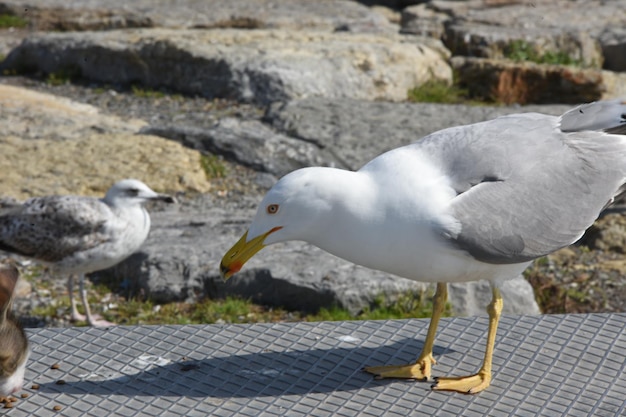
column 526, row 189
column 51, row 228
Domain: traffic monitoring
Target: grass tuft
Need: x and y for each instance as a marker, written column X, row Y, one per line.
column 520, row 50
column 63, row 76
column 12, row 21
column 146, row 92
column 408, row 305
column 229, row 310
column 137, row 311
column 438, row 91
column 213, row 166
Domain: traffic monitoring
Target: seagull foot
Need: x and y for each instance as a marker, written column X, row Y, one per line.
column 471, row 384
column 76, row 316
column 95, row 320
column 419, row 370
column 98, row 322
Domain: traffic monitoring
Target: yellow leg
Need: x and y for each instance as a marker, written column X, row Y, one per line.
column 473, row 384
column 422, row 367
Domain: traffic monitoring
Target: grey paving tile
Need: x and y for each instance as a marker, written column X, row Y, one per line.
column 572, row 365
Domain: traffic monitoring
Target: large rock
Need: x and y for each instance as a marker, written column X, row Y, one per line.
column 488, row 41
column 325, row 15
column 392, row 4
column 90, row 166
column 526, row 82
column 613, row 42
column 423, row 20
column 247, row 142
column 589, row 16
column 319, row 131
column 355, row 131
column 29, row 114
column 260, row 65
column 51, row 145
column 589, row 32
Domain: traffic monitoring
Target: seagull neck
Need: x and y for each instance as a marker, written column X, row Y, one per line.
column 378, row 218
column 113, row 202
column 349, row 204
column 135, row 213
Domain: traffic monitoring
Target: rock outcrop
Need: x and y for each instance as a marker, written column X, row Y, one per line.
column 261, row 66
column 52, row 145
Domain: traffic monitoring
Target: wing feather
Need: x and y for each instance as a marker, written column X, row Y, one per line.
column 525, row 188
column 51, row 228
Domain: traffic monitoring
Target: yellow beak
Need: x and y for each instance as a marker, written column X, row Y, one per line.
column 241, row 252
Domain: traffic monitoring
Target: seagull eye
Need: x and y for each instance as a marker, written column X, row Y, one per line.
column 132, row 192
column 272, row 209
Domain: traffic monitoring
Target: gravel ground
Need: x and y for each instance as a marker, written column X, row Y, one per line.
column 586, row 278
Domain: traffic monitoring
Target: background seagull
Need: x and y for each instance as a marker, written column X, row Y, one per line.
column 79, row 235
column 465, row 203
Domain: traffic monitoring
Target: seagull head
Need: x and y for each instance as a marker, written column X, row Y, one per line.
column 293, row 209
column 131, row 192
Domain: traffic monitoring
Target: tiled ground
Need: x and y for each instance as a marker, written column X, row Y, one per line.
column 570, row 365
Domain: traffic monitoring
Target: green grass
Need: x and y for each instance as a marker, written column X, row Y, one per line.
column 146, row 92
column 57, row 78
column 63, row 76
column 438, row 91
column 520, row 50
column 408, row 305
column 229, row 310
column 567, row 288
column 237, row 310
column 12, row 21
column 213, row 166
column 154, row 94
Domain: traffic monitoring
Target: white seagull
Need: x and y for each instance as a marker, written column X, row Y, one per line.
column 79, row 235
column 466, row 203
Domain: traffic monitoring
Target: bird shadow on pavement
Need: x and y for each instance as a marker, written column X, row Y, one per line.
column 268, row 373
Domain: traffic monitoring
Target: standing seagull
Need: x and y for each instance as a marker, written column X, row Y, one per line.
column 466, row 203
column 79, row 235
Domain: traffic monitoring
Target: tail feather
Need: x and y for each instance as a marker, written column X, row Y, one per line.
column 607, row 115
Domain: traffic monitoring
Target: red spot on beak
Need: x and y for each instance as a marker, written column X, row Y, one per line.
column 235, row 267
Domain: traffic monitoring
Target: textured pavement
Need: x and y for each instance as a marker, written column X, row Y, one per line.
column 546, row 365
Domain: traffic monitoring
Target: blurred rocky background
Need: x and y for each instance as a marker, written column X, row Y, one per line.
column 215, row 99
